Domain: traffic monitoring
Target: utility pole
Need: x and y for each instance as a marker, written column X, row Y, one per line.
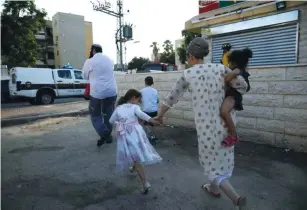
column 105, row 8
column 120, row 12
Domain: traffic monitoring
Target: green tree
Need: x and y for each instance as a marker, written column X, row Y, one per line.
column 187, row 38
column 137, row 63
column 21, row 21
column 168, row 55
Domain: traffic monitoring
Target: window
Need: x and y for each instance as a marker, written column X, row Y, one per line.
column 78, row 74
column 65, row 74
column 57, row 52
column 50, row 55
column 57, row 38
column 13, row 78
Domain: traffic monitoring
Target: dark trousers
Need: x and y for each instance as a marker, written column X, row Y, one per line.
column 101, row 111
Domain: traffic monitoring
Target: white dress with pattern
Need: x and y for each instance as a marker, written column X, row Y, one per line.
column 207, row 86
column 132, row 142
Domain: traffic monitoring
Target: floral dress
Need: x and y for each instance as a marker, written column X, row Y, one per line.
column 207, row 86
column 132, row 142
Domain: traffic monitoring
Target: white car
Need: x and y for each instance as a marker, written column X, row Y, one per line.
column 43, row 85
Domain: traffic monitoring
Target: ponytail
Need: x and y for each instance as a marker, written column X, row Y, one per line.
column 121, row 101
column 129, row 95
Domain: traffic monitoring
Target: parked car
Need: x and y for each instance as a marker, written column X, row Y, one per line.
column 43, row 85
column 156, row 68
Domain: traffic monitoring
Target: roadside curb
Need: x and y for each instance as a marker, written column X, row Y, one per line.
column 23, row 120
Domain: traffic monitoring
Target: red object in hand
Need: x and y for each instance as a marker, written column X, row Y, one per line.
column 87, row 92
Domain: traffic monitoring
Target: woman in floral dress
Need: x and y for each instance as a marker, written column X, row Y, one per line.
column 206, row 84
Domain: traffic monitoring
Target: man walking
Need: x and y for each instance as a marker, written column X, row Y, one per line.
column 103, row 92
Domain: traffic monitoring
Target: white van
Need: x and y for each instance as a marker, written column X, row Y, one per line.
column 43, row 85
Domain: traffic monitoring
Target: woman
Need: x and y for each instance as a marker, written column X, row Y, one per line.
column 206, row 83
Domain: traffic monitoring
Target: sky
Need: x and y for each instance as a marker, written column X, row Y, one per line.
column 155, row 20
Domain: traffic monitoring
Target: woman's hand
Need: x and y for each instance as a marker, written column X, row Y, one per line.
column 154, row 122
column 159, row 119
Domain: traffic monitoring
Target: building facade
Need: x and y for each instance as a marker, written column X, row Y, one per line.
column 66, row 39
column 275, row 31
column 44, row 39
column 275, row 108
column 88, row 38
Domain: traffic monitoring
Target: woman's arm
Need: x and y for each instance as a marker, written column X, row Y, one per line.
column 173, row 96
column 232, row 75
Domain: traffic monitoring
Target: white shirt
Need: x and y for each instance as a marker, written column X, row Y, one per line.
column 149, row 99
column 99, row 71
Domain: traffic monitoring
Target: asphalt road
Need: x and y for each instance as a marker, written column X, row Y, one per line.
column 20, row 103
column 55, row 164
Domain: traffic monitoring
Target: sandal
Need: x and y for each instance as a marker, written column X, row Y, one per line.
column 131, row 169
column 206, row 188
column 230, row 141
column 241, row 203
column 147, row 188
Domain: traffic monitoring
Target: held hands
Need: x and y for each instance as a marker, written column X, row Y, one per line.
column 159, row 119
column 154, row 122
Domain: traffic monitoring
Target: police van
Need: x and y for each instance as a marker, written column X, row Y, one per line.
column 43, row 85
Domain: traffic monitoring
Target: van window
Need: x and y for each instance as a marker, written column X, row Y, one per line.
column 156, row 67
column 78, row 75
column 13, row 78
column 65, row 74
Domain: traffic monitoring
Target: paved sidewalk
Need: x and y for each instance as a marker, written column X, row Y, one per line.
column 55, row 164
column 31, row 111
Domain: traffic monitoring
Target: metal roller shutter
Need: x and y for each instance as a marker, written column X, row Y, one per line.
column 271, row 46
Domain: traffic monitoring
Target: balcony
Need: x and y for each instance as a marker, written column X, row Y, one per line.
column 40, row 37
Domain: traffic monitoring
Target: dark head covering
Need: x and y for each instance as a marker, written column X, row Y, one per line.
column 198, row 48
column 226, row 46
column 97, row 47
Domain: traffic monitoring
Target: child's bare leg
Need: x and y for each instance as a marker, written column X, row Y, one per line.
column 233, row 195
column 139, row 169
column 226, row 108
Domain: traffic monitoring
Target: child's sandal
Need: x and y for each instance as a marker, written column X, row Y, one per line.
column 230, row 141
column 147, row 188
column 131, row 169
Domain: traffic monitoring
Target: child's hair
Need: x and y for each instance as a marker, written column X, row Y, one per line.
column 149, row 81
column 240, row 57
column 129, row 95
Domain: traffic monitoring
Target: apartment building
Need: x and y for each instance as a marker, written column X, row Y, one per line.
column 44, row 39
column 66, row 39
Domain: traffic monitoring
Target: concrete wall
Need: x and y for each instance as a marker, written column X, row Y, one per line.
column 275, row 108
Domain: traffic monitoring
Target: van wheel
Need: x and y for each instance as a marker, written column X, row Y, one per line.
column 45, row 98
column 33, row 101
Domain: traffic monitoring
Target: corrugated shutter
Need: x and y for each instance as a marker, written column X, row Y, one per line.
column 272, row 46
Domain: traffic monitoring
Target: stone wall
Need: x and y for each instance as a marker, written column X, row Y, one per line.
column 275, row 110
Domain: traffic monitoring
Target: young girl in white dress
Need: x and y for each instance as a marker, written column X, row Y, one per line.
column 133, row 147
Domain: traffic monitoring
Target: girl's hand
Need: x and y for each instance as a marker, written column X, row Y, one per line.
column 159, row 119
column 154, row 122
